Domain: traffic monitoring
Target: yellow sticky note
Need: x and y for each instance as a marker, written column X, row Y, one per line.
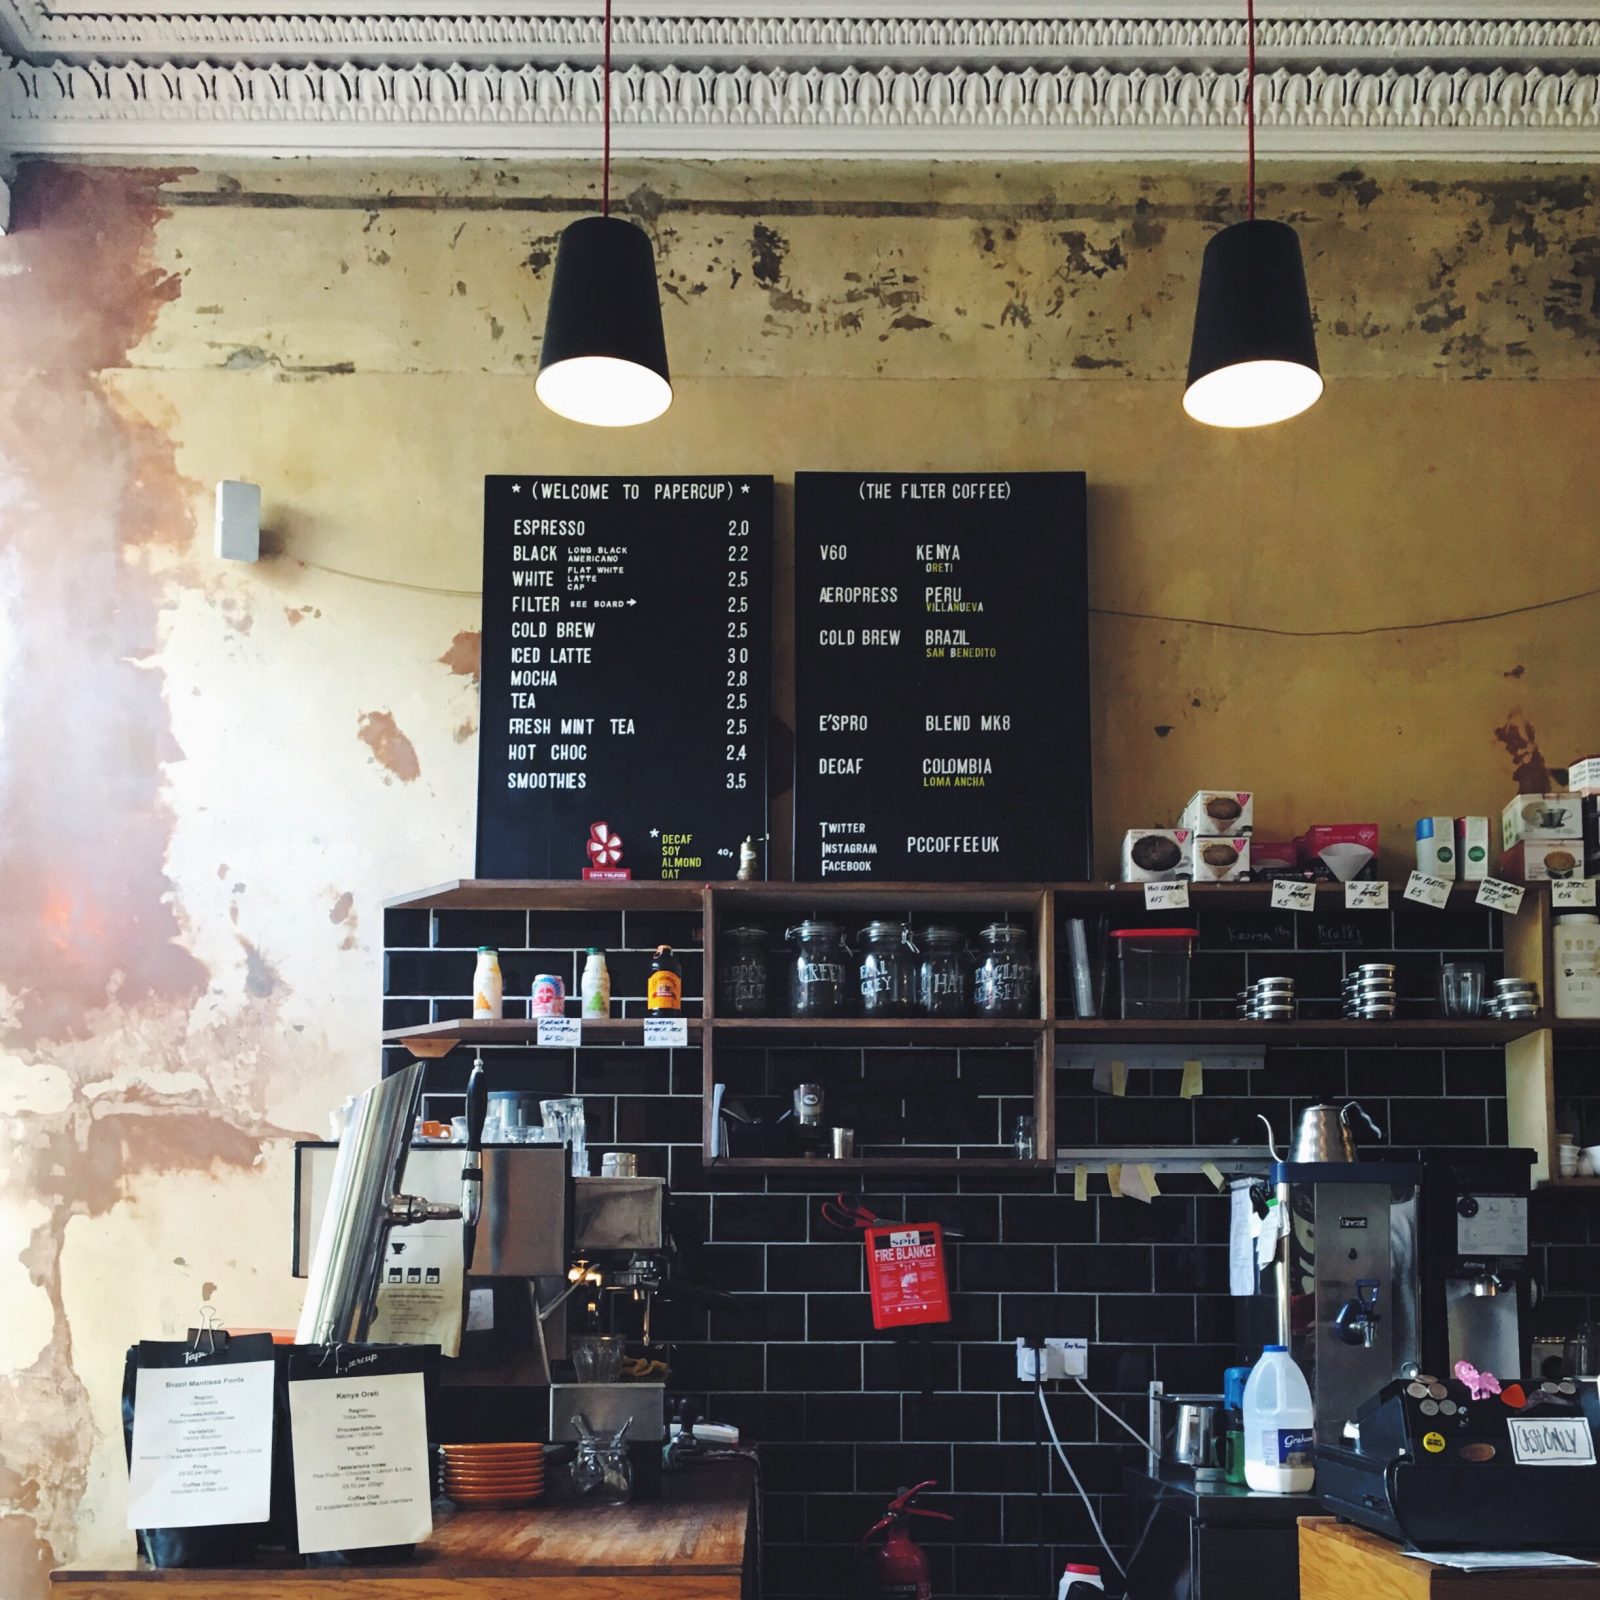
column 1147, row 1177
column 1114, row 1177
column 1194, row 1080
column 1119, row 1077
column 1213, row 1172
column 1080, row 1182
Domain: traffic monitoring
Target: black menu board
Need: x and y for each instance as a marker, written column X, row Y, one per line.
column 941, row 677
column 627, row 642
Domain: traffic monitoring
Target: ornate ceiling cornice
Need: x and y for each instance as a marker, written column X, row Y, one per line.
column 994, row 113
column 841, row 79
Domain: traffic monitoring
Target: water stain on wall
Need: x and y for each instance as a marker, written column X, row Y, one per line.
column 1528, row 765
column 465, row 655
column 390, row 748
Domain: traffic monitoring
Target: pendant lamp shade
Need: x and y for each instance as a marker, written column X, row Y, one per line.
column 604, row 357
column 1254, row 355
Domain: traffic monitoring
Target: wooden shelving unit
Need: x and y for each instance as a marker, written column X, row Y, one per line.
column 1529, row 1047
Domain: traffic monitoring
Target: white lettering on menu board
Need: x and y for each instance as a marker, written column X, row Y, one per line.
column 202, row 1446
column 941, row 676
column 360, row 1461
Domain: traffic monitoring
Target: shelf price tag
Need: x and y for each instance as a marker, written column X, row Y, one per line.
column 560, row 1033
column 1290, row 894
column 1166, row 896
column 1500, row 896
column 666, row 1033
column 1428, row 891
column 1572, row 892
column 1366, row 894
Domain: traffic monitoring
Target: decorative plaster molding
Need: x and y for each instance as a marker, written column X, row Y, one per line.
column 831, row 36
column 1063, row 115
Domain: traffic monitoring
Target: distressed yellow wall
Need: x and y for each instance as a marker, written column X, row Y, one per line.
column 211, row 775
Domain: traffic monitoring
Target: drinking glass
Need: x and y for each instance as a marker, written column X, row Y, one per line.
column 566, row 1117
column 1461, row 988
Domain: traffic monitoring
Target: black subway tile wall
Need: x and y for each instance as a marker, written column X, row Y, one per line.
column 845, row 1416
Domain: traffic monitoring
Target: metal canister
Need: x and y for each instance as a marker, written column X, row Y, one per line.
column 549, row 996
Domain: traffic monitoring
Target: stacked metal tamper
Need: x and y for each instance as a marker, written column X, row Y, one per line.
column 1267, row 1000
column 1369, row 994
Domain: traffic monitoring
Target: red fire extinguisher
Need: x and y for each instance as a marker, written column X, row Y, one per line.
column 899, row 1568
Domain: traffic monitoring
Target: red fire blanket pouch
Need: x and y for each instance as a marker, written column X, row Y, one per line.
column 905, row 1271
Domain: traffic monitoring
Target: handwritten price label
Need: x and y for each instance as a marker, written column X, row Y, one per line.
column 1362, row 895
column 1498, row 896
column 1428, row 891
column 560, row 1033
column 666, row 1033
column 1166, row 897
column 1290, row 895
column 1572, row 892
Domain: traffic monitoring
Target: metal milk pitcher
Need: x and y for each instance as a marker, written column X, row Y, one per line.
column 1324, row 1133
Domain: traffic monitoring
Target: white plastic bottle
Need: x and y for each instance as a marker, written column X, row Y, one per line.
column 488, row 987
column 1079, row 1577
column 1278, row 1426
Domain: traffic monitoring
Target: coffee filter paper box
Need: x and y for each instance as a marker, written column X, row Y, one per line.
column 1213, row 860
column 1273, row 858
column 1539, row 816
column 1583, row 777
column 1155, row 855
column 1541, row 860
column 1336, row 852
column 1219, row 812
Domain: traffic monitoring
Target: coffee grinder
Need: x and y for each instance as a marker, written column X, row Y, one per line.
column 1475, row 1288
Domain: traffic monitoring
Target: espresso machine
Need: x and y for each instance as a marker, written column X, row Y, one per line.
column 549, row 1256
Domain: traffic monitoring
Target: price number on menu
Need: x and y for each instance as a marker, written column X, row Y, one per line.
column 1499, row 896
column 666, row 1033
column 736, row 722
column 1290, row 895
column 1428, row 890
column 559, row 1033
column 1166, row 896
column 1571, row 892
column 1366, row 894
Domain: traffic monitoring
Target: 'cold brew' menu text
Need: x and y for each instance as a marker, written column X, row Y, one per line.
column 941, row 677
column 626, row 667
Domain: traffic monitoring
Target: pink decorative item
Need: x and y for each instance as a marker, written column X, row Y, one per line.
column 1480, row 1385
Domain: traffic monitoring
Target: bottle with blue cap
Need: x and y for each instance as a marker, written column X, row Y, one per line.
column 1279, row 1433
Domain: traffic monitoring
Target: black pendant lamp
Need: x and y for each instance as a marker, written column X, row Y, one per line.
column 604, row 357
column 1254, row 355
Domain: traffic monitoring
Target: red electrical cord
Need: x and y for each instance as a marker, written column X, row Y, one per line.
column 605, row 97
column 1249, row 104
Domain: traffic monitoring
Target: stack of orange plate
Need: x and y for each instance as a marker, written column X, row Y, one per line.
column 483, row 1475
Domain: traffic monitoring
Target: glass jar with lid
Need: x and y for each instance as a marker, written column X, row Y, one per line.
column 887, row 974
column 819, row 978
column 1007, row 976
column 742, row 972
column 944, row 976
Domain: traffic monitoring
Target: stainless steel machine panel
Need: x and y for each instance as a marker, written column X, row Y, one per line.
column 606, row 1406
column 525, row 1228
column 618, row 1214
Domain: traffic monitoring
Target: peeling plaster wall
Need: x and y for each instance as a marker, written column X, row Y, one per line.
column 211, row 775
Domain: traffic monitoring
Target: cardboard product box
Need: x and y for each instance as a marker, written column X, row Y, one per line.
column 1214, row 860
column 1436, row 846
column 1221, row 813
column 1273, row 858
column 1472, row 848
column 1539, row 816
column 1335, row 852
column 1583, row 777
column 1155, row 855
column 1540, row 860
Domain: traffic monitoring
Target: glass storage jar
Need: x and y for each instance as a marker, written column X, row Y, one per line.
column 944, row 987
column 1007, row 978
column 742, row 973
column 887, row 976
column 819, row 980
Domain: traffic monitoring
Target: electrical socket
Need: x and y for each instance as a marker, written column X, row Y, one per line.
column 1063, row 1358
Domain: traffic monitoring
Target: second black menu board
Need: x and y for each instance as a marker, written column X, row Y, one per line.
column 627, row 639
column 941, row 677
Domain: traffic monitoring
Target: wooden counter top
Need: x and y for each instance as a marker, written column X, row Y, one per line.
column 1338, row 1560
column 694, row 1544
